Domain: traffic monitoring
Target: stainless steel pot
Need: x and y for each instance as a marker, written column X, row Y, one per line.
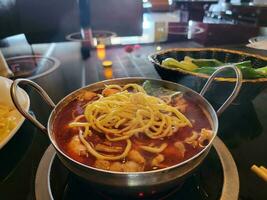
column 122, row 182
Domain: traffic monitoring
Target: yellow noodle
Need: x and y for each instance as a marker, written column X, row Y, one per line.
column 114, row 109
column 154, row 149
column 78, row 124
column 87, row 131
column 124, row 137
column 105, row 157
column 120, row 122
column 122, row 115
column 136, row 87
column 114, row 87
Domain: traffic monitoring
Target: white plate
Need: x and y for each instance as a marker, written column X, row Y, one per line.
column 257, row 39
column 259, row 42
column 5, row 99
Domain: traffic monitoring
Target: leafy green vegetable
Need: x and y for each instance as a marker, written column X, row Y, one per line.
column 246, row 63
column 205, row 70
column 207, row 62
column 262, row 70
column 248, row 72
column 208, row 66
column 148, row 87
column 171, row 62
column 156, row 89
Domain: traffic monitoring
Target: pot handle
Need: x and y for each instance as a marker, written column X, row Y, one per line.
column 27, row 115
column 236, row 90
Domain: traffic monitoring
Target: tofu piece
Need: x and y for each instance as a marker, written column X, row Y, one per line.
column 135, row 156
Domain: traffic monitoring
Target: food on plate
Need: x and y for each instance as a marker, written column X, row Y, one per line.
column 209, row 66
column 132, row 128
column 261, row 44
column 8, row 119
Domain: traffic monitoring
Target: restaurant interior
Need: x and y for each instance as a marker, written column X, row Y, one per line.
column 136, row 99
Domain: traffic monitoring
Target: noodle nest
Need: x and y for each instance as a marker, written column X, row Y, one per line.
column 128, row 112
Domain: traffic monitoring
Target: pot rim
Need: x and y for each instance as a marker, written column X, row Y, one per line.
column 214, row 120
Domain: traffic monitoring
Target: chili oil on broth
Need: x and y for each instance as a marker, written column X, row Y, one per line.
column 182, row 145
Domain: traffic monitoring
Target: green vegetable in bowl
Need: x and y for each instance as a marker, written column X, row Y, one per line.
column 262, row 71
column 156, row 90
column 190, row 64
column 248, row 72
column 207, row 62
column 208, row 66
column 205, row 70
column 185, row 65
column 246, row 63
column 170, row 62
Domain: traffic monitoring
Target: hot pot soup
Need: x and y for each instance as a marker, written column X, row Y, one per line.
column 131, row 129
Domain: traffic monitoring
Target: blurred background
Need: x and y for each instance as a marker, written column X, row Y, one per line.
column 64, row 45
column 209, row 22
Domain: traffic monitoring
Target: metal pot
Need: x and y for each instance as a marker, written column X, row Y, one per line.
column 123, row 182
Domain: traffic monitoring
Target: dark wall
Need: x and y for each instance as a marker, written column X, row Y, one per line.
column 121, row 16
column 54, row 19
column 8, row 18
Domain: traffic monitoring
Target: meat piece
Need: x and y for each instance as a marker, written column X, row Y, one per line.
column 136, row 157
column 116, row 166
column 109, row 91
column 166, row 99
column 75, row 146
column 180, row 147
column 131, row 166
column 107, row 149
column 192, row 140
column 88, row 95
column 157, row 160
column 102, row 164
column 205, row 137
column 180, row 103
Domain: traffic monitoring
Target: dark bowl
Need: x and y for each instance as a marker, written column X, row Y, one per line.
column 222, row 87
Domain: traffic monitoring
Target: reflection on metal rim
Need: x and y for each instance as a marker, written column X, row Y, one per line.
column 39, row 72
column 77, row 35
column 184, row 30
column 230, row 188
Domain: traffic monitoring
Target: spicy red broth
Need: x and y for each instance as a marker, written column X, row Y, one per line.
column 178, row 147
